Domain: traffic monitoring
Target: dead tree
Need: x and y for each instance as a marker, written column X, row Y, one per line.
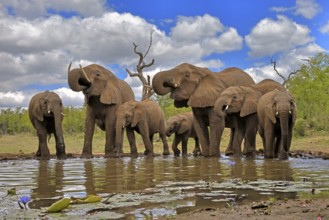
column 282, row 76
column 147, row 87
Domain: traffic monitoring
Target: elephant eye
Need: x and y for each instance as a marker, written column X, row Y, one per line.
column 187, row 75
column 98, row 73
column 235, row 96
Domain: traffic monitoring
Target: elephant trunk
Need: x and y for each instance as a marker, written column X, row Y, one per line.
column 161, row 83
column 119, row 128
column 77, row 79
column 284, row 124
column 60, row 145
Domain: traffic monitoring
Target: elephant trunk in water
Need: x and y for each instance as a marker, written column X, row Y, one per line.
column 284, row 124
column 161, row 83
column 60, row 145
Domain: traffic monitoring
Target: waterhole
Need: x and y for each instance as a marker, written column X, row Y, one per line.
column 160, row 186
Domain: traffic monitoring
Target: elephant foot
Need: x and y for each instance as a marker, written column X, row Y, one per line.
column 44, row 157
column 86, row 155
column 148, row 153
column 229, row 153
column 112, row 155
column 134, row 155
column 250, row 154
column 62, row 157
column 166, row 152
column 214, row 153
column 284, row 156
column 177, row 152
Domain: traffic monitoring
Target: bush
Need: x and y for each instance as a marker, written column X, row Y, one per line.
column 300, row 128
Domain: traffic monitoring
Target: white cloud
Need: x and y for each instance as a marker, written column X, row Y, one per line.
column 35, row 8
column 13, row 99
column 286, row 63
column 307, row 8
column 69, row 97
column 274, row 36
column 325, row 28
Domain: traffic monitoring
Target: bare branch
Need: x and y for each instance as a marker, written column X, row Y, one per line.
column 148, row 49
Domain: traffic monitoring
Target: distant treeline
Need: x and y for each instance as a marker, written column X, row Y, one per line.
column 309, row 86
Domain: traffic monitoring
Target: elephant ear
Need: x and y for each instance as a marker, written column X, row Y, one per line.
column 111, row 93
column 185, row 124
column 207, row 92
column 37, row 111
column 139, row 115
column 249, row 105
column 270, row 108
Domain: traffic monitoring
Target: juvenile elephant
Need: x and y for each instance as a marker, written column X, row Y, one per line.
column 146, row 118
column 182, row 125
column 239, row 104
column 276, row 111
column 46, row 116
column 104, row 92
column 199, row 88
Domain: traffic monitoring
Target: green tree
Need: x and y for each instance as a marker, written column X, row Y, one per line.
column 310, row 88
column 167, row 105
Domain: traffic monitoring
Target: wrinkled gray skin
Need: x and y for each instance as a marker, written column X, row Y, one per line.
column 181, row 125
column 199, row 88
column 104, row 92
column 146, row 118
column 276, row 111
column 241, row 103
column 46, row 116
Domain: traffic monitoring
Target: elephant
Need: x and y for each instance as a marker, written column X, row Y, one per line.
column 104, row 93
column 146, row 118
column 277, row 113
column 199, row 88
column 182, row 125
column 46, row 115
column 240, row 102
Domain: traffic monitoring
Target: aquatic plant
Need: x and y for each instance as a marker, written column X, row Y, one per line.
column 23, row 200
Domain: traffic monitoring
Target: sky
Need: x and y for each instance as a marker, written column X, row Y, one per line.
column 39, row 38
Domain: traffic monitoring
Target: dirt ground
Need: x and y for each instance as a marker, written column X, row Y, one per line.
column 317, row 209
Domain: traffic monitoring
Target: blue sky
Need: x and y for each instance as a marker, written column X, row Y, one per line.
column 39, row 38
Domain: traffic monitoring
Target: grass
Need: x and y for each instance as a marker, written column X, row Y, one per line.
column 28, row 143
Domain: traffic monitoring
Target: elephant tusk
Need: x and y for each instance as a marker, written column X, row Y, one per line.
column 277, row 113
column 290, row 112
column 48, row 111
column 62, row 114
column 175, row 85
column 84, row 74
column 226, row 108
column 68, row 69
column 123, row 126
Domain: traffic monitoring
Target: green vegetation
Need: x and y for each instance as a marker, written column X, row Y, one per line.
column 309, row 86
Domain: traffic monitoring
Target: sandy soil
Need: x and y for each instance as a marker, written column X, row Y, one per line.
column 317, row 209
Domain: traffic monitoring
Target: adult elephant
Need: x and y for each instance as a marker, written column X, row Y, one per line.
column 146, row 118
column 199, row 88
column 104, row 92
column 276, row 111
column 182, row 126
column 46, row 115
column 240, row 102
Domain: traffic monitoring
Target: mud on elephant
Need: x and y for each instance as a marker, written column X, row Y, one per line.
column 239, row 104
column 104, row 92
column 46, row 115
column 181, row 125
column 146, row 118
column 199, row 88
column 276, row 111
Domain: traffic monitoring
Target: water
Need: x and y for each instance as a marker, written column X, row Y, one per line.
column 160, row 186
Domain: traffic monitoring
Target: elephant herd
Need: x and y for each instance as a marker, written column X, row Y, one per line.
column 229, row 98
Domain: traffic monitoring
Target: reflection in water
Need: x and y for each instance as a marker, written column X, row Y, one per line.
column 189, row 181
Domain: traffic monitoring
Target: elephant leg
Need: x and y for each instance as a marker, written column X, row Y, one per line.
column 250, row 135
column 184, row 145
column 147, row 139
column 110, row 137
column 262, row 135
column 132, row 142
column 164, row 142
column 197, row 150
column 202, row 132
column 60, row 148
column 270, row 143
column 89, row 133
column 174, row 145
column 42, row 136
column 278, row 146
column 217, row 125
column 229, row 148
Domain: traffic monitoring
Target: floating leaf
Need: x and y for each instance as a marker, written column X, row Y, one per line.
column 11, row 191
column 92, row 199
column 59, row 205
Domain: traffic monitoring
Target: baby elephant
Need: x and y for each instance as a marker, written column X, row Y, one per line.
column 46, row 115
column 182, row 125
column 146, row 118
column 276, row 111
